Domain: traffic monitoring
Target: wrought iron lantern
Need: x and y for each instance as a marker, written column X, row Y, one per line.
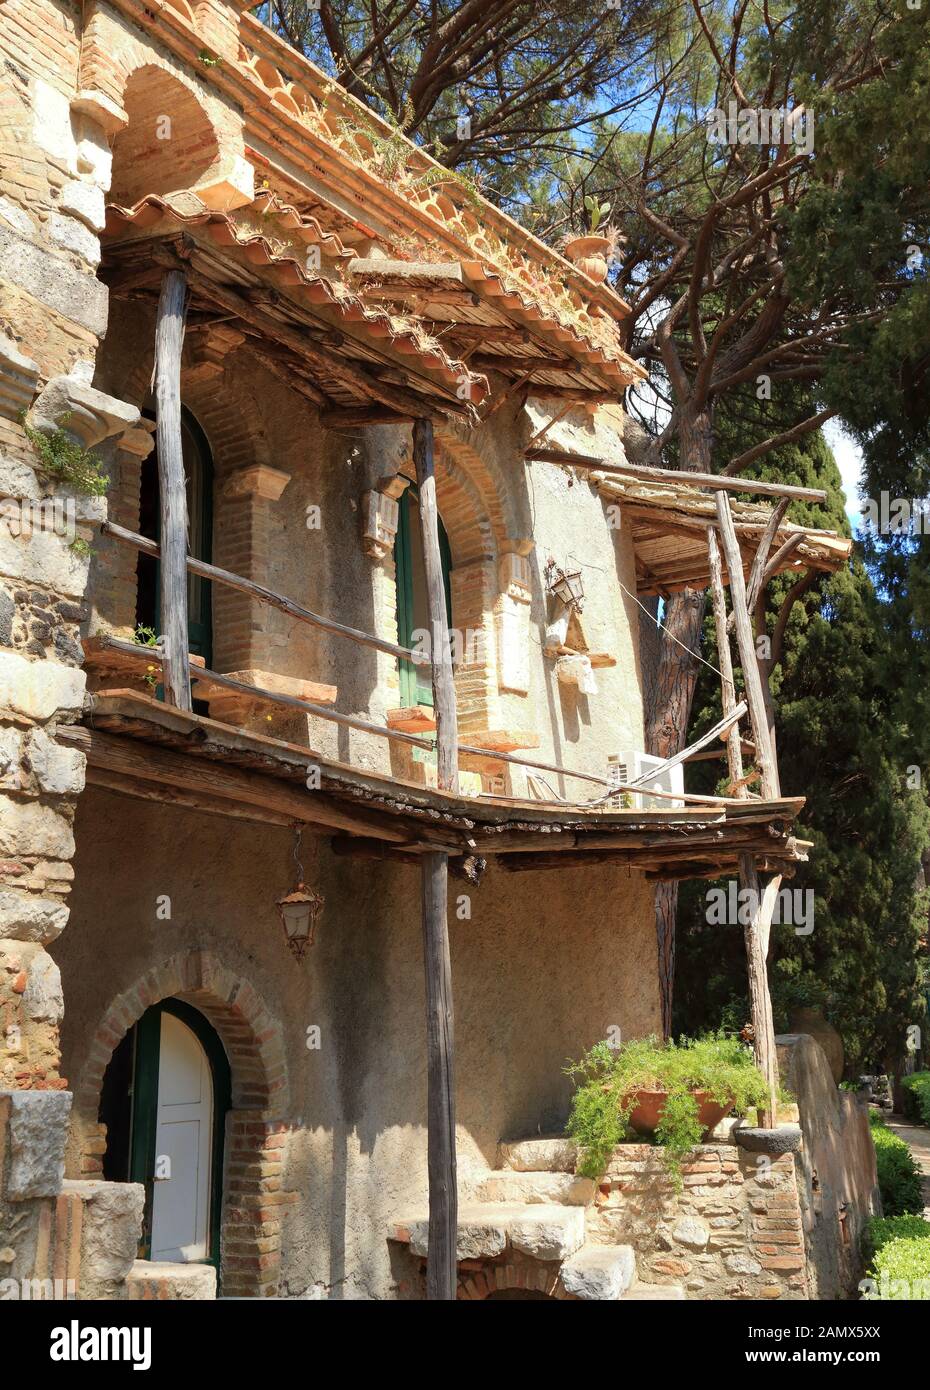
column 299, row 911
column 566, row 586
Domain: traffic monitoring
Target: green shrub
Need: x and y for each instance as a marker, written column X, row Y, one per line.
column 60, row 457
column 897, row 1248
column 898, row 1174
column 916, row 1091
column 607, row 1080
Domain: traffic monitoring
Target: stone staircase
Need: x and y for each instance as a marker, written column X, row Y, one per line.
column 534, row 1203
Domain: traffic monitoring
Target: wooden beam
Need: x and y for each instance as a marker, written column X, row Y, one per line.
column 169, row 341
column 468, row 868
column 202, row 778
column 730, row 720
column 204, row 673
column 765, row 759
column 263, row 595
column 443, row 683
column 756, row 930
column 499, row 362
column 351, row 417
column 124, row 785
column 423, row 294
column 760, row 560
column 776, row 564
column 719, row 482
column 355, row 377
column 441, row 1267
column 724, row 656
column 478, row 332
column 756, row 935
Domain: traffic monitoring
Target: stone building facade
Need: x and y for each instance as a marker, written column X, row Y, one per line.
column 115, row 898
column 323, row 1145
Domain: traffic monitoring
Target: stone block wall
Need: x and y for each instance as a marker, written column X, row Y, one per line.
column 732, row 1231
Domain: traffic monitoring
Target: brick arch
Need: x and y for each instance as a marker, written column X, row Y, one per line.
column 527, row 1274
column 169, row 142
column 473, row 455
column 254, row 1202
column 251, row 1035
column 465, row 513
column 228, row 424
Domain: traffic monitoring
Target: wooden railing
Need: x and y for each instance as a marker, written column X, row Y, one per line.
column 261, row 594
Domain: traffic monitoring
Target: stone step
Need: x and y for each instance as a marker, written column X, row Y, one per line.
column 551, row 1153
column 544, row 1231
column 508, row 1185
column 599, row 1272
column 654, row 1292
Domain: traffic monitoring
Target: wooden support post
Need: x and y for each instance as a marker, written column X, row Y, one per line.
column 727, row 685
column 756, row 930
column 443, row 683
column 758, row 715
column 441, row 1269
column 169, row 339
column 756, row 934
column 441, row 1265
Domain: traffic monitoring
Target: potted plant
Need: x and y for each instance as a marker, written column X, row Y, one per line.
column 591, row 251
column 674, row 1093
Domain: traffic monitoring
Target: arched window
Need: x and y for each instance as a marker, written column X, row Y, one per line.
column 412, row 608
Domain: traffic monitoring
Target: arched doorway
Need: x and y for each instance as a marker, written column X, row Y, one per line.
column 165, row 1096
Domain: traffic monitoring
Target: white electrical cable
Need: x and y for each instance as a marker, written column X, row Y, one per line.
column 654, row 619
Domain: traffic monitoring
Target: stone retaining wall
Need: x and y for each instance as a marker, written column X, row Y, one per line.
column 733, row 1230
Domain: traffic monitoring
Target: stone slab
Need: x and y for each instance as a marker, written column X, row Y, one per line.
column 599, row 1272
column 37, row 1126
column 553, row 1154
column 506, row 1185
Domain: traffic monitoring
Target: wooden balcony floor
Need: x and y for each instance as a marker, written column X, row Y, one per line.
column 140, row 747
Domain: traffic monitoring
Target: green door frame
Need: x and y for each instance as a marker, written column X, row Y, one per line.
column 415, row 683
column 145, row 1112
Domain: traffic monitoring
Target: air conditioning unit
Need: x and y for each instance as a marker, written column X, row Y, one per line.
column 631, row 765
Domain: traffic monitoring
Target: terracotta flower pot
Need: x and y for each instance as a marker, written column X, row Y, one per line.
column 588, row 253
column 650, row 1105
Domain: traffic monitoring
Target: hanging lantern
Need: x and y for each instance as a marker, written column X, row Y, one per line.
column 299, row 911
column 567, row 587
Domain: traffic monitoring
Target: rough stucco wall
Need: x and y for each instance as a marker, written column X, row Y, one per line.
column 545, row 964
column 563, row 516
column 837, row 1172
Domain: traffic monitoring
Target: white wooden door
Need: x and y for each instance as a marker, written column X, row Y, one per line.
column 183, row 1146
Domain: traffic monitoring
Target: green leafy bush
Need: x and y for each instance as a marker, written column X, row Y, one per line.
column 607, row 1080
column 60, row 457
column 898, row 1174
column 916, row 1090
column 897, row 1248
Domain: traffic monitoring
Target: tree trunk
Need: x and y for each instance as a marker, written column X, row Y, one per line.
column 669, row 693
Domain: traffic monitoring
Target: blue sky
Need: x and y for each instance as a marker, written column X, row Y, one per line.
column 848, row 457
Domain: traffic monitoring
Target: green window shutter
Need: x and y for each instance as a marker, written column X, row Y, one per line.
column 415, row 684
